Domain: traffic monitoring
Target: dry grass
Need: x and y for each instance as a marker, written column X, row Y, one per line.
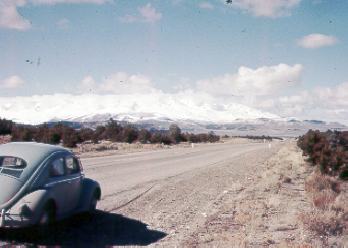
column 324, row 222
column 287, row 244
column 305, row 246
column 5, row 139
column 324, row 199
column 341, row 203
column 329, row 216
column 105, row 148
column 318, row 182
column 242, row 218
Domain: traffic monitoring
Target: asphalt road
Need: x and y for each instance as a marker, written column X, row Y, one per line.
column 125, row 211
column 121, row 173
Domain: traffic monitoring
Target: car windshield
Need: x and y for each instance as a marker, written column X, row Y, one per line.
column 12, row 162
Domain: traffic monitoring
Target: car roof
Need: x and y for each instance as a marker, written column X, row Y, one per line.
column 33, row 153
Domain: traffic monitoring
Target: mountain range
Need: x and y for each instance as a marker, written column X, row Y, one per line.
column 191, row 111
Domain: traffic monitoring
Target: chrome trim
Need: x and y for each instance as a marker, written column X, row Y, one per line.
column 2, row 222
column 37, row 174
column 61, row 181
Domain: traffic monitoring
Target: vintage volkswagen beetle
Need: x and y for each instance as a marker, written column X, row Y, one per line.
column 41, row 183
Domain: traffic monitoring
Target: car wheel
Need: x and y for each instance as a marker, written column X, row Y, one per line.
column 47, row 216
column 93, row 202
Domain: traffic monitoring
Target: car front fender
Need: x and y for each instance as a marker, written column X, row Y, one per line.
column 89, row 187
column 28, row 209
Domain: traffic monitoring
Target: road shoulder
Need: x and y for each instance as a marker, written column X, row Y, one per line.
column 225, row 203
column 263, row 212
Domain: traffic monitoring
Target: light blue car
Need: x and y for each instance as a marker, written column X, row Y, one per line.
column 41, row 183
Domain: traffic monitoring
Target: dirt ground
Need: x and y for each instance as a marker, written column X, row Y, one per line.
column 254, row 201
column 237, row 194
column 108, row 148
column 5, row 139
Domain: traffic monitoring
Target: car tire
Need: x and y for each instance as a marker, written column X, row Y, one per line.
column 47, row 216
column 93, row 202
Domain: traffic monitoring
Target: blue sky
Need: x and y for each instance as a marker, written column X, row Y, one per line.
column 64, row 46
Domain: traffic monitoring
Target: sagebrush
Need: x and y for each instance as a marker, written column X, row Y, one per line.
column 113, row 131
column 328, row 150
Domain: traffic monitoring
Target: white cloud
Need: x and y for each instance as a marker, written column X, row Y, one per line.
column 52, row 2
column 266, row 8
column 10, row 18
column 128, row 18
column 63, row 23
column 118, row 83
column 335, row 96
column 87, row 84
column 146, row 13
column 122, row 93
column 252, row 82
column 323, row 103
column 206, row 5
column 313, row 41
column 149, row 13
column 11, row 82
column 181, row 105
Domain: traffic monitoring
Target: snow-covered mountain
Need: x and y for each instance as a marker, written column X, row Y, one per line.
column 193, row 112
column 131, row 108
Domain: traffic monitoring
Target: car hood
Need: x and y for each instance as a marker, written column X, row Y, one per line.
column 9, row 187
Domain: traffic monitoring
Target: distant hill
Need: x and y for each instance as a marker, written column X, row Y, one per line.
column 192, row 112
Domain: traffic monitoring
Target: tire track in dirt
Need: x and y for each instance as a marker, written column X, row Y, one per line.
column 180, row 206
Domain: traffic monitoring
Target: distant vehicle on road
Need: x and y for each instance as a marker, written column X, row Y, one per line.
column 41, row 183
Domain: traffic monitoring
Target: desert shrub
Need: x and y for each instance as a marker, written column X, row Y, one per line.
column 324, row 222
column 183, row 138
column 318, row 183
column 202, row 137
column 101, row 148
column 156, row 138
column 22, row 133
column 159, row 137
column 6, row 126
column 144, row 136
column 98, row 134
column 129, row 134
column 86, row 134
column 48, row 135
column 175, row 133
column 341, row 204
column 190, row 137
column 41, row 134
column 5, row 139
column 256, row 137
column 324, row 199
column 344, row 175
column 55, row 138
column 212, row 138
column 112, row 131
column 167, row 140
column 327, row 150
column 70, row 137
column 328, row 217
column 63, row 133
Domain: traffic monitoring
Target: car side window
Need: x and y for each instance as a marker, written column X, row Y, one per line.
column 57, row 167
column 12, row 162
column 72, row 165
